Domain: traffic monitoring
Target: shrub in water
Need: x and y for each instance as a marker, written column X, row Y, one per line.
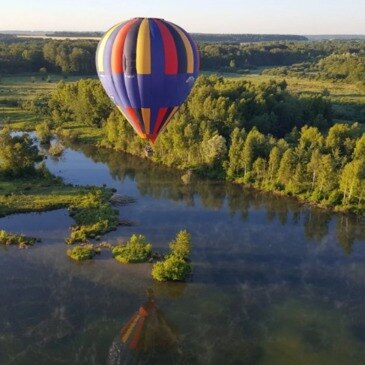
column 137, row 249
column 80, row 253
column 174, row 268
column 181, row 246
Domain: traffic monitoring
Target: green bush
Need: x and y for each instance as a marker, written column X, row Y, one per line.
column 181, row 246
column 84, row 252
column 135, row 250
column 16, row 239
column 43, row 132
column 94, row 216
column 174, row 268
column 56, row 149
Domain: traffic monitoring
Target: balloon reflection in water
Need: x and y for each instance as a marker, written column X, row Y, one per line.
column 143, row 335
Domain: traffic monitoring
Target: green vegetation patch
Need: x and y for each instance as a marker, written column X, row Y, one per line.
column 83, row 252
column 175, row 266
column 137, row 249
column 20, row 240
column 93, row 214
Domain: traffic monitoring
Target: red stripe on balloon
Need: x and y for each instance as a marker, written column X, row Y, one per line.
column 118, row 48
column 134, row 119
column 171, row 60
column 159, row 119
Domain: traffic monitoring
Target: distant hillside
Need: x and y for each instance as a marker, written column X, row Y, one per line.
column 246, row 38
column 322, row 37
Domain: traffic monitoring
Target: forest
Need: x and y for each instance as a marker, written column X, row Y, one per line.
column 77, row 56
column 255, row 131
column 258, row 135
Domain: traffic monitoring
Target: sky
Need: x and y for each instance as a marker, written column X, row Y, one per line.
column 204, row 16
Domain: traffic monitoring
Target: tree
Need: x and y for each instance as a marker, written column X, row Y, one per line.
column 18, row 154
column 352, row 181
column 235, row 151
column 274, row 164
column 181, row 246
column 253, row 148
column 286, row 167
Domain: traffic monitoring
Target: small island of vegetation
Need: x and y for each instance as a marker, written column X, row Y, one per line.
column 135, row 250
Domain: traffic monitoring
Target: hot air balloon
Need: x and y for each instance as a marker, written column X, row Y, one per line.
column 148, row 67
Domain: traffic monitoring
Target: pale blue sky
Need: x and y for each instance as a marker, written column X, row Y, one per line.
column 211, row 16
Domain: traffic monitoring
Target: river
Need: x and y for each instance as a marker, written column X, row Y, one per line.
column 274, row 281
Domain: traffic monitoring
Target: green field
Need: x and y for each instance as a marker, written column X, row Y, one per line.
column 16, row 89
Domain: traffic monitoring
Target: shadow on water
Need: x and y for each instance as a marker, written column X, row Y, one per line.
column 274, row 282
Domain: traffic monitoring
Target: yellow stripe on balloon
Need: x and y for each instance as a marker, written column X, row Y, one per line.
column 143, row 50
column 146, row 115
column 101, row 48
column 188, row 48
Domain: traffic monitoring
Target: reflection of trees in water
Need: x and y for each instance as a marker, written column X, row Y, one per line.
column 349, row 229
column 161, row 182
column 316, row 223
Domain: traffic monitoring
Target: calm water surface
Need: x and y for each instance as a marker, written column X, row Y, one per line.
column 273, row 282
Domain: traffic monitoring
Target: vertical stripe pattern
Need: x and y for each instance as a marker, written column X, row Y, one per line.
column 147, row 67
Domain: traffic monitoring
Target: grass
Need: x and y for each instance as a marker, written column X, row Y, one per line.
column 15, row 89
column 36, row 194
column 94, row 216
column 89, row 206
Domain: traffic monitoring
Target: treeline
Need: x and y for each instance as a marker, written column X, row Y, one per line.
column 220, row 104
column 78, row 56
column 19, row 56
column 257, row 135
column 348, row 67
column 246, row 38
column 235, row 57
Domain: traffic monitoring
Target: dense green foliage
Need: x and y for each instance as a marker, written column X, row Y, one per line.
column 82, row 252
column 136, row 250
column 239, row 52
column 94, row 215
column 66, row 56
column 20, row 240
column 43, row 132
column 18, row 154
column 348, row 67
column 240, row 57
column 255, row 134
column 175, row 266
column 181, row 245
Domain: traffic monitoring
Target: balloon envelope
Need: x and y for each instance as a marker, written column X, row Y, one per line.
column 147, row 67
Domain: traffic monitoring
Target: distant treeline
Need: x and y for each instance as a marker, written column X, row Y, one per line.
column 255, row 134
column 203, row 37
column 246, row 38
column 58, row 56
column 348, row 67
column 78, row 56
column 234, row 57
column 74, row 34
